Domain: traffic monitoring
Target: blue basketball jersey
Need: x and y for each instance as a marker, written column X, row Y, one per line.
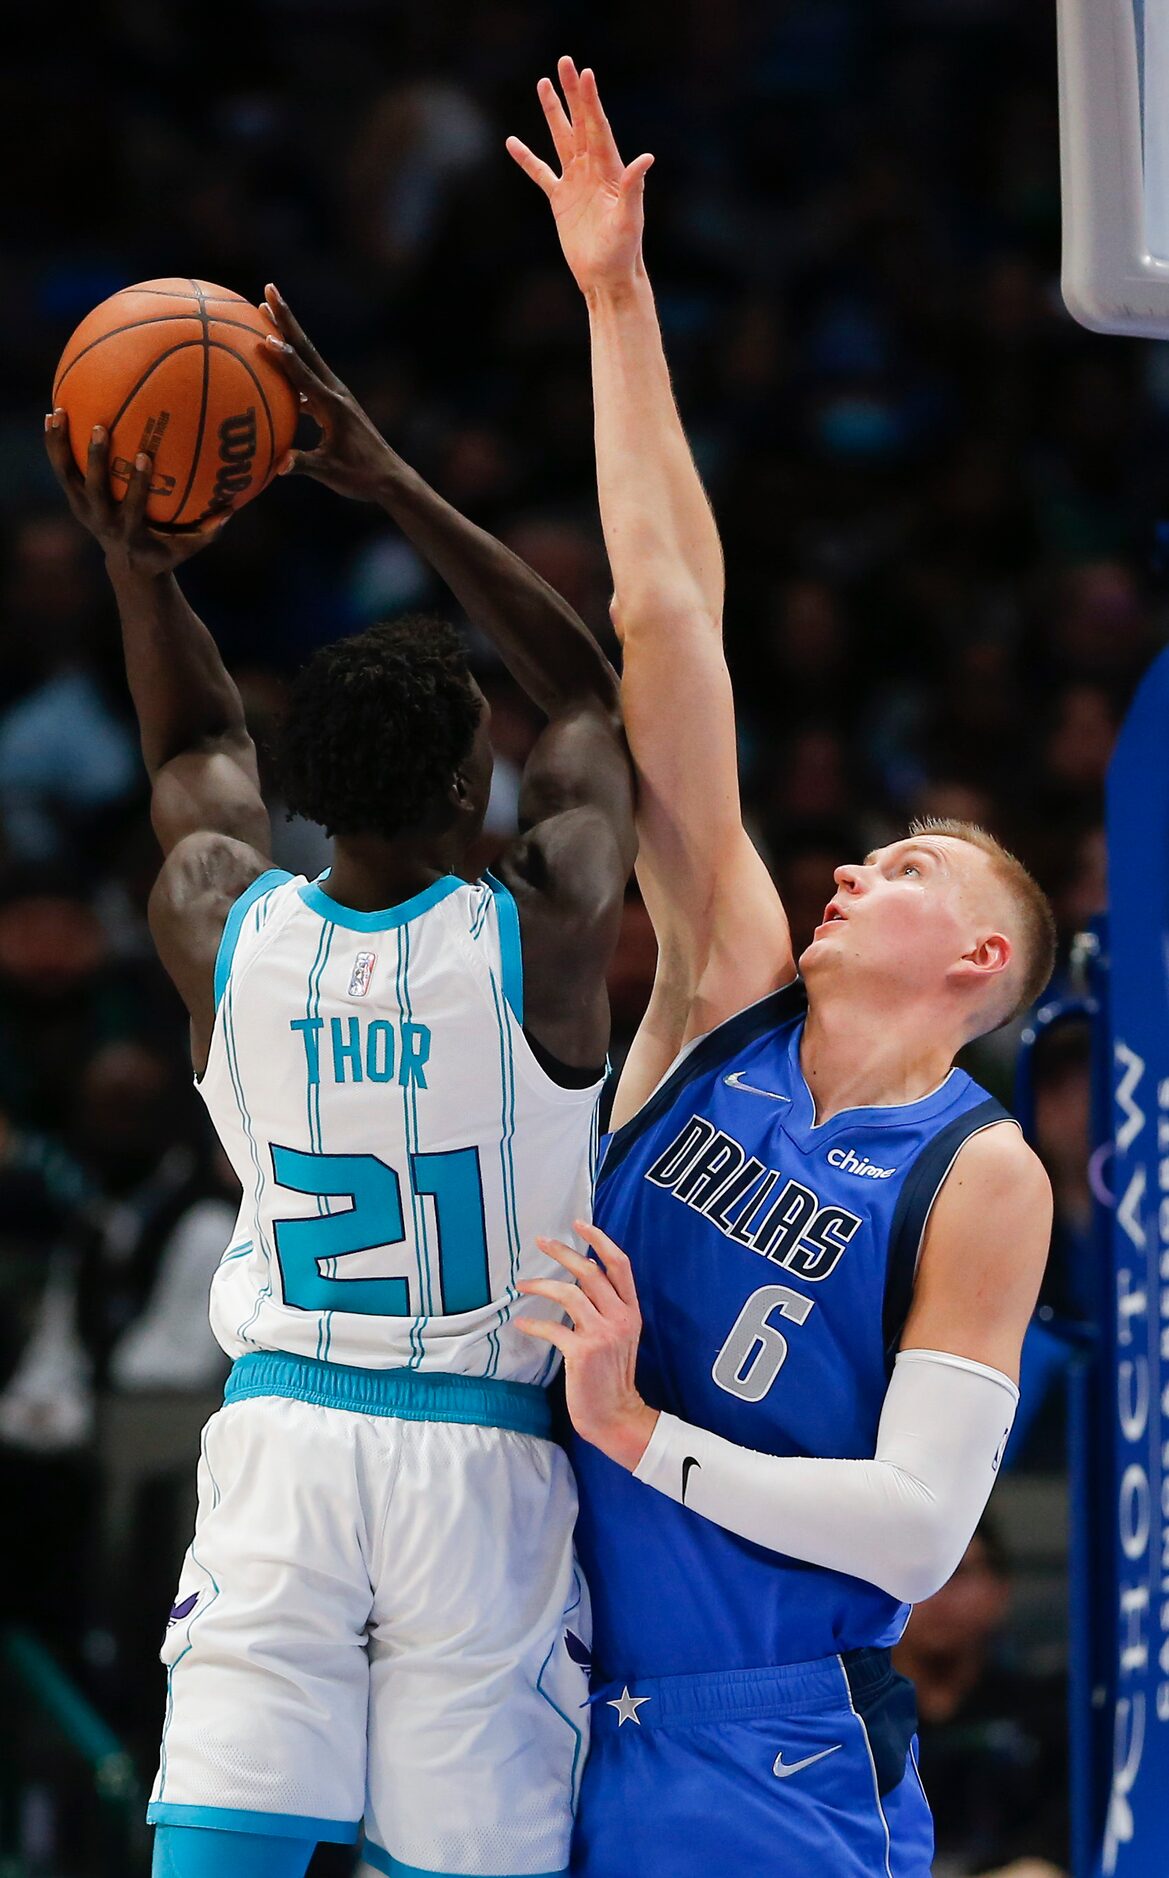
column 775, row 1261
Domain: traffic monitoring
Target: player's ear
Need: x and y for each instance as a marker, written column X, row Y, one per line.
column 988, row 957
column 464, row 795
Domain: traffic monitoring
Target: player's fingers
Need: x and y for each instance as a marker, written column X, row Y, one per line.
column 317, row 462
column 134, row 506
column 314, row 392
column 543, row 177
column 557, row 118
column 214, row 525
column 555, row 1334
column 184, row 547
column 97, row 484
column 286, row 322
column 303, row 375
column 591, row 1277
column 563, row 1254
column 600, row 133
column 613, row 1260
column 570, row 1298
column 61, row 456
column 633, row 181
column 570, row 82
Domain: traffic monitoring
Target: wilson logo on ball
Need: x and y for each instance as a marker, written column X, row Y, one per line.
column 237, row 454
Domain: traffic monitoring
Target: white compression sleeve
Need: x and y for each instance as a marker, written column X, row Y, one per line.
column 901, row 1521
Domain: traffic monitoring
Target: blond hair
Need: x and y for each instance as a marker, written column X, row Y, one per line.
column 1036, row 934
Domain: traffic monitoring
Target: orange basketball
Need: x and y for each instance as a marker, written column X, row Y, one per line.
column 178, row 368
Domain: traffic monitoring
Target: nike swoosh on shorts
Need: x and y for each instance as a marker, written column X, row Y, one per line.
column 784, row 1771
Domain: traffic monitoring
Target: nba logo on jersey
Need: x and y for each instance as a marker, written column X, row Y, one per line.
column 361, row 974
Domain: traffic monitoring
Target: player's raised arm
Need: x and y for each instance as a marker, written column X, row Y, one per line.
column 577, row 844
column 206, row 805
column 723, row 938
column 547, row 648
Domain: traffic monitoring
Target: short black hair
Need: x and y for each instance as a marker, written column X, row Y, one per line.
column 377, row 728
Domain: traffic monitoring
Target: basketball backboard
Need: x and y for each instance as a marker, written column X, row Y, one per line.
column 1114, row 142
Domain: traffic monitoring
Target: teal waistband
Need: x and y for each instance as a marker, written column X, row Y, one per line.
column 410, row 1395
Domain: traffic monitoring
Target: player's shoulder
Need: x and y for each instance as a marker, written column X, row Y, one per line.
column 986, row 1245
column 203, row 878
column 207, row 865
column 197, row 909
column 997, row 1195
column 998, row 1163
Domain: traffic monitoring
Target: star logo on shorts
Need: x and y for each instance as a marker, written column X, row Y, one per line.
column 627, row 1706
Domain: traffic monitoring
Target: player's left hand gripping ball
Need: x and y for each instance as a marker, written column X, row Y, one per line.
column 600, row 1347
column 121, row 528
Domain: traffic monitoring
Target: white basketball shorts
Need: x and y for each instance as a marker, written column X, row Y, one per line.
column 380, row 1616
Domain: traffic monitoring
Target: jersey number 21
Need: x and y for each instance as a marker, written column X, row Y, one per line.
column 309, row 1250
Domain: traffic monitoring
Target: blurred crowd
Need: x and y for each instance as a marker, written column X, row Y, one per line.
column 939, row 498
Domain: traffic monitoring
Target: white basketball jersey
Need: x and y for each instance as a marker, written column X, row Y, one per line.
column 398, row 1144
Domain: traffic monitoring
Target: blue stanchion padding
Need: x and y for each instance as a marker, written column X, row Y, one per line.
column 1130, row 1497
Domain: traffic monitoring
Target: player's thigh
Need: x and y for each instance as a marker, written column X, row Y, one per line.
column 267, row 1681
column 478, row 1686
column 681, row 1803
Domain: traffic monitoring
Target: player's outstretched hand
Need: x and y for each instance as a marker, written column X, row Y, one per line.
column 122, row 528
column 597, row 199
column 352, row 455
column 599, row 1344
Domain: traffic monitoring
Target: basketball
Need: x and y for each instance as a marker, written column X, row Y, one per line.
column 178, row 368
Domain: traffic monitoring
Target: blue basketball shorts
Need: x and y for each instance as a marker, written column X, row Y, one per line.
column 809, row 1769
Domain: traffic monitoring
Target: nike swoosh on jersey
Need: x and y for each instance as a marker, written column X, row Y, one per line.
column 784, row 1770
column 735, row 1081
column 689, row 1463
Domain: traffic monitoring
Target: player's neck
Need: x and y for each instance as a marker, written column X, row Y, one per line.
column 865, row 1058
column 368, row 873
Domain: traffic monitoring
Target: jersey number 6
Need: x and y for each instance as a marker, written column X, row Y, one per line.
column 308, row 1249
column 755, row 1352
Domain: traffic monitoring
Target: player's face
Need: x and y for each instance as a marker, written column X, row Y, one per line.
column 909, row 911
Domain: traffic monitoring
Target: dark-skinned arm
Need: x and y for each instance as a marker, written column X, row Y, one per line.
column 206, row 805
column 545, row 645
column 577, row 844
column 198, row 751
column 195, row 743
